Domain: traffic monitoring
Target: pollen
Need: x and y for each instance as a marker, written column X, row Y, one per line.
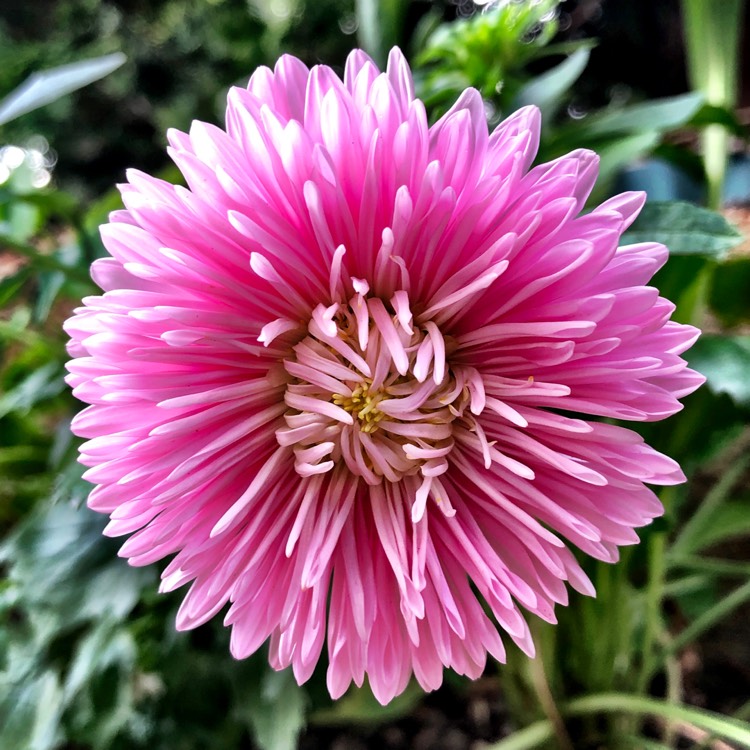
column 362, row 404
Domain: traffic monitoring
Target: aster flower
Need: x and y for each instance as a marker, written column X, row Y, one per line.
column 341, row 376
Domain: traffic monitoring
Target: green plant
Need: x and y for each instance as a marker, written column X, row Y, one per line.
column 88, row 654
column 712, row 35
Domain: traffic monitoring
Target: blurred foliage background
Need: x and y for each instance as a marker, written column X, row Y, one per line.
column 183, row 55
column 89, row 659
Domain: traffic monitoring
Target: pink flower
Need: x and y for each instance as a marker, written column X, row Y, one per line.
column 334, row 377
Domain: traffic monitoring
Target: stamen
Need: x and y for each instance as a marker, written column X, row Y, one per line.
column 363, row 405
column 373, row 390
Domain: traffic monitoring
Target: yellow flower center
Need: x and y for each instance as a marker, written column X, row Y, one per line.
column 363, row 405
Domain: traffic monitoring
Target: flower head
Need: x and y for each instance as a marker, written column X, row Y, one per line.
column 340, row 377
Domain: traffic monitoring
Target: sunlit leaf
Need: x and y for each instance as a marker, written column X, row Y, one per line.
column 47, row 86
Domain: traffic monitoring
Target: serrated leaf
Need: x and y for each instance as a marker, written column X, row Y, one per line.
column 47, row 86
column 547, row 90
column 686, row 229
column 725, row 361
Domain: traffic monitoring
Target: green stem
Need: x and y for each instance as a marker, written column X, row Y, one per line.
column 654, row 597
column 743, row 713
column 686, row 585
column 623, row 703
column 723, row 726
column 547, row 700
column 674, row 696
column 527, row 738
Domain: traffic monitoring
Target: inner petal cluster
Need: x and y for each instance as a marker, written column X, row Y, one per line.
column 370, row 389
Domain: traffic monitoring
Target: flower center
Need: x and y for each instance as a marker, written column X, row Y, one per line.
column 362, row 404
column 369, row 388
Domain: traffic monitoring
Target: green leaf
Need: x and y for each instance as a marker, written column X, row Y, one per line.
column 687, row 162
column 534, row 735
column 62, row 564
column 711, row 114
column 723, row 726
column 49, row 285
column 275, row 710
column 24, row 220
column 30, row 713
column 707, row 566
column 725, row 361
column 104, row 646
column 709, row 617
column 660, row 115
column 45, row 87
column 39, row 385
column 11, row 285
column 730, row 520
column 546, row 91
column 702, row 528
column 49, row 202
column 686, row 229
